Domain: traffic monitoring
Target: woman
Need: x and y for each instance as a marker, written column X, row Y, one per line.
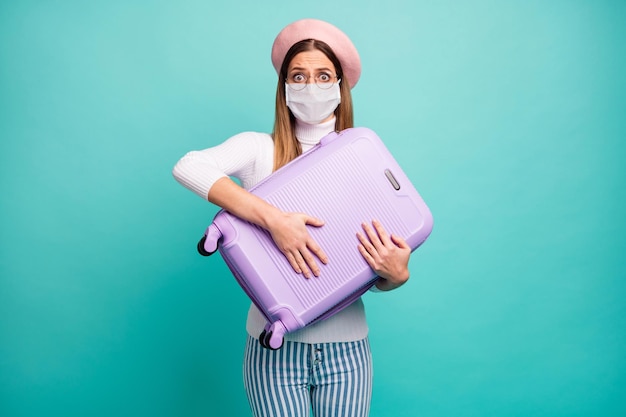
column 325, row 366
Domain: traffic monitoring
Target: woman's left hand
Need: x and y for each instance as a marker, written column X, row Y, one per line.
column 387, row 255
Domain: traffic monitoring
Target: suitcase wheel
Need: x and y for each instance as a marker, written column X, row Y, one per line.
column 262, row 338
column 265, row 339
column 209, row 242
column 201, row 249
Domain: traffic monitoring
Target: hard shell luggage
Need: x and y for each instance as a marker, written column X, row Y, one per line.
column 348, row 178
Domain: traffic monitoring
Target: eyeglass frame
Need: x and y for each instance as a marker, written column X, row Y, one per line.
column 302, row 85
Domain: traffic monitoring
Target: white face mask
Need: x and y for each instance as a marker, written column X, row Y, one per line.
column 313, row 104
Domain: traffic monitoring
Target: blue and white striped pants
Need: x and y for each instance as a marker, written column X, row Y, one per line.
column 332, row 379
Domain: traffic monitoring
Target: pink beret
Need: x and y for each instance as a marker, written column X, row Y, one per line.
column 322, row 31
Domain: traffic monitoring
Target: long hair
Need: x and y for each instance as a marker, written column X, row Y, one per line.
column 286, row 146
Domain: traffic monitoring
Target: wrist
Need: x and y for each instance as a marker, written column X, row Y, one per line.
column 270, row 217
column 391, row 283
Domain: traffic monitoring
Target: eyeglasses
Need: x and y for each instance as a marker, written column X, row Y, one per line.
column 298, row 81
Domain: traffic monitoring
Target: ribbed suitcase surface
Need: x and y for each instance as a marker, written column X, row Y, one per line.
column 347, row 179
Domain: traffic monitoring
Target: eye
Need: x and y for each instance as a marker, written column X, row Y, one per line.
column 298, row 78
column 324, row 77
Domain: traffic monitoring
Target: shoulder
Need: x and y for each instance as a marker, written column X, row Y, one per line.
column 248, row 151
column 248, row 139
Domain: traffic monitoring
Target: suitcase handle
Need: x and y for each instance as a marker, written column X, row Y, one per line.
column 208, row 244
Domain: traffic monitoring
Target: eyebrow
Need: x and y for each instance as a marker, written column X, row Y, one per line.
column 316, row 69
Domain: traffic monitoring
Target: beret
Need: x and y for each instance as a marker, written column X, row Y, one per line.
column 319, row 30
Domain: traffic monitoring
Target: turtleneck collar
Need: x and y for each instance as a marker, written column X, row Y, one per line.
column 310, row 135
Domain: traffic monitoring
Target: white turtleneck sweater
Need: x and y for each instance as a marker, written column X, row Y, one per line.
column 249, row 157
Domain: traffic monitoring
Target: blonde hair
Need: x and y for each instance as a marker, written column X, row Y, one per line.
column 286, row 145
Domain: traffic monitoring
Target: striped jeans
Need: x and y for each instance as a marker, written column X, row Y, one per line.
column 331, row 379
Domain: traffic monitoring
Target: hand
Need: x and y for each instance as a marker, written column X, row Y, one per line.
column 387, row 255
column 292, row 238
column 288, row 230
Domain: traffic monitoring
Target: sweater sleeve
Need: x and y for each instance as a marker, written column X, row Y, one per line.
column 243, row 156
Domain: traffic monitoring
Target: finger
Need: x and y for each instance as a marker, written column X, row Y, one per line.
column 401, row 243
column 366, row 255
column 382, row 233
column 292, row 261
column 372, row 235
column 361, row 238
column 317, row 251
column 303, row 265
column 366, row 245
column 313, row 221
column 310, row 263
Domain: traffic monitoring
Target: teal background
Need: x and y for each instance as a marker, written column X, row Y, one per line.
column 508, row 116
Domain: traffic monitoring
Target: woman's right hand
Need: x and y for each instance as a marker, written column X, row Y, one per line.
column 288, row 230
column 290, row 234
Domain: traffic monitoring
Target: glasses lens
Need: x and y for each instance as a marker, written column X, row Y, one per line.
column 296, row 86
column 325, row 85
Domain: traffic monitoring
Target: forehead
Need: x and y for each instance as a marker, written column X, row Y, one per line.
column 311, row 60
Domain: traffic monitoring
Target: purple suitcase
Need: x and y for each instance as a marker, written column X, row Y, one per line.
column 348, row 178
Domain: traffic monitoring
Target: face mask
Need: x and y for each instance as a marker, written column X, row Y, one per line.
column 313, row 104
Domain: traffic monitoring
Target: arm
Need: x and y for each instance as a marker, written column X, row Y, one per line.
column 288, row 230
column 387, row 255
column 248, row 156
